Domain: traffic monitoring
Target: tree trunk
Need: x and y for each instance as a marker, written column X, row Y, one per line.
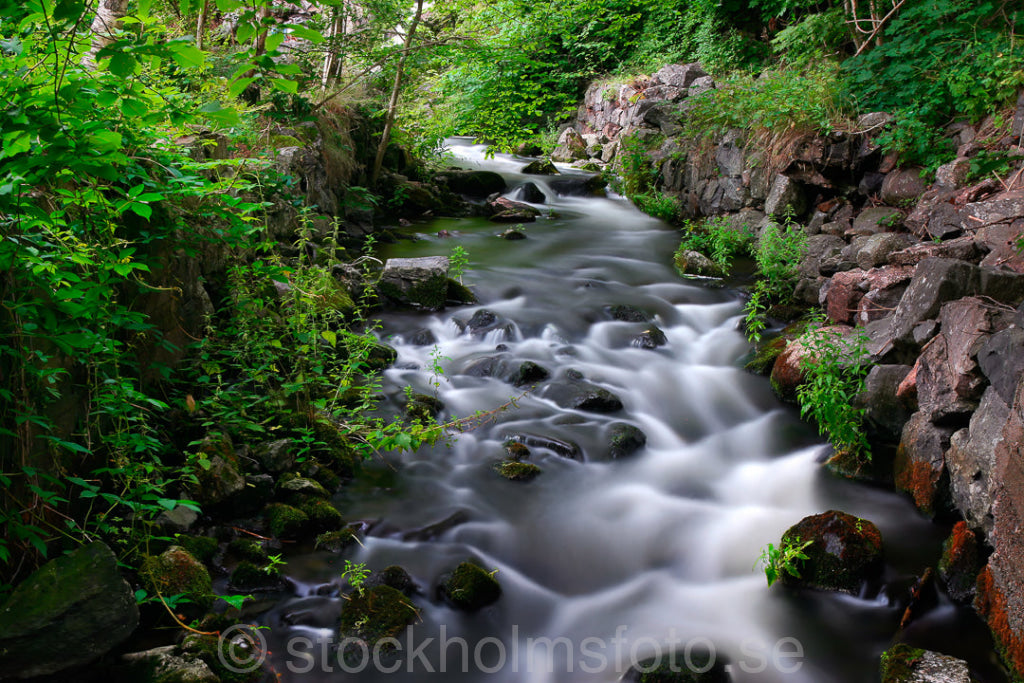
column 396, row 90
column 204, row 10
column 104, row 28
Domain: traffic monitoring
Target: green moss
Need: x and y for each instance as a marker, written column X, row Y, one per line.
column 285, row 521
column 764, row 356
column 897, row 664
column 470, row 587
column 208, row 649
column 423, row 408
column 327, row 478
column 203, row 548
column 248, row 549
column 516, row 450
column 380, row 612
column 177, row 572
column 459, row 293
column 323, row 516
column 250, row 577
column 282, row 141
column 430, row 293
column 336, row 541
column 517, row 471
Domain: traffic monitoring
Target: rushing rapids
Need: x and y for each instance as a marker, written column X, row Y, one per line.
column 603, row 562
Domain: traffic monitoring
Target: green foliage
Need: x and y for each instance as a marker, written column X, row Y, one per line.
column 633, row 163
column 457, row 262
column 659, row 205
column 834, row 370
column 355, row 573
column 718, row 238
column 814, row 37
column 785, row 559
column 939, row 59
column 780, row 100
column 778, row 254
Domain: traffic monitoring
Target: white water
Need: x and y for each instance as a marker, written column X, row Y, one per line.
column 634, row 553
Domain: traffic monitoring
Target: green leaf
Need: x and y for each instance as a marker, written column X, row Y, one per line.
column 140, row 596
column 16, row 142
column 122, row 64
column 284, row 85
column 105, row 141
column 305, row 33
column 187, row 55
column 274, row 41
column 237, row 86
column 228, row 5
column 330, row 337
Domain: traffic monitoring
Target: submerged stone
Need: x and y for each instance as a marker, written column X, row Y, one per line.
column 625, row 440
column 513, row 470
column 376, row 613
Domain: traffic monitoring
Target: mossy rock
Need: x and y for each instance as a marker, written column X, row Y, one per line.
column 336, row 541
column 625, row 440
column 396, row 577
column 177, row 572
column 517, row 451
column 763, row 357
column 248, row 549
column 282, row 141
column 285, row 521
column 540, row 167
column 248, row 577
column 513, row 470
column 218, row 653
column 376, row 613
column 897, row 663
column 423, row 408
column 203, row 548
column 380, row 356
column 459, row 294
column 323, row 516
column 470, row 587
column 689, row 262
column 844, row 551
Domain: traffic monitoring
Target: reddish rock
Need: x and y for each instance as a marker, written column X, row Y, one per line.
column 787, row 374
column 961, row 248
column 920, row 467
column 1001, row 243
column 844, row 551
column 960, row 562
column 949, row 382
column 1004, row 207
column 903, row 185
column 908, row 387
column 885, row 289
column 843, row 295
column 998, row 604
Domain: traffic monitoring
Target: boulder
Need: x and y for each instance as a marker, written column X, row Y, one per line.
column 375, row 614
column 540, row 167
column 577, row 394
column 219, row 482
column 1004, row 207
column 953, row 174
column 470, row 587
column 886, row 286
column 416, row 282
column 651, row 338
column 1002, row 241
column 1001, row 360
column 562, row 447
column 904, row 664
column 175, row 571
column 570, row 147
column 275, row 457
column 679, row 75
column 624, row 440
column 876, row 249
column 164, row 664
column 579, row 185
column 920, row 465
column 514, row 470
column 875, row 220
column 471, row 183
column 67, row 613
column 820, row 248
column 844, row 552
column 960, row 562
column 690, row 262
column 842, row 294
column 529, row 192
column 972, row 461
column 528, row 373
column 485, row 321
column 509, row 211
column 961, row 248
column 903, row 186
column 395, row 576
column 949, row 381
column 786, row 198
column 885, row 412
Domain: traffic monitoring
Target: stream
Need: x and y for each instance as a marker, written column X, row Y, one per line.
column 603, row 562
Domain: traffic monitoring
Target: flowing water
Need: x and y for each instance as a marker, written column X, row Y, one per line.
column 612, row 560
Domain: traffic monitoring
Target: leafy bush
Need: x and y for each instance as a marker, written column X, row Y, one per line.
column 784, row 559
column 939, row 59
column 778, row 255
column 779, row 100
column 834, row 371
column 659, row 205
column 718, row 238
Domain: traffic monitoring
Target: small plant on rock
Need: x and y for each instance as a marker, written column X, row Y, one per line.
column 784, row 559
